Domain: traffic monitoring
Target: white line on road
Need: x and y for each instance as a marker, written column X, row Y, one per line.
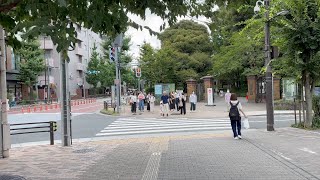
column 161, row 131
column 308, row 150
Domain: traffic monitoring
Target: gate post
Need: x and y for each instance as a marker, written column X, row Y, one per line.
column 191, row 86
column 252, row 88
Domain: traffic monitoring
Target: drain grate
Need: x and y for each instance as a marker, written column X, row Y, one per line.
column 83, row 151
column 11, row 177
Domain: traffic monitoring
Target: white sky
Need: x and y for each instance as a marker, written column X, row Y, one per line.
column 154, row 22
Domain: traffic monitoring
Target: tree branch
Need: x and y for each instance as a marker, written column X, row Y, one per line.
column 6, row 6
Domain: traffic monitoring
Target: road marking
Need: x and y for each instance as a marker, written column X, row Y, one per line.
column 308, row 150
column 151, row 172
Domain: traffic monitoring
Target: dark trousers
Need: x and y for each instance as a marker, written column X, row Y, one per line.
column 236, row 124
column 193, row 107
column 177, row 103
column 134, row 107
column 183, row 108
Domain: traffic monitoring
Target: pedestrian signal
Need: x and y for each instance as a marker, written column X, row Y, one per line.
column 138, row 72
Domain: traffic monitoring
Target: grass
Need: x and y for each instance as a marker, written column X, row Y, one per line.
column 315, row 124
column 109, row 112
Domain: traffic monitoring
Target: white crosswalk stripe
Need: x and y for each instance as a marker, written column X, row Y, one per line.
column 135, row 126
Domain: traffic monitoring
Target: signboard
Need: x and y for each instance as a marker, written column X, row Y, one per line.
column 210, row 96
column 158, row 89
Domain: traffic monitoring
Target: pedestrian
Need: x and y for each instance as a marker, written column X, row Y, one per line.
column 172, row 102
column 152, row 99
column 165, row 100
column 177, row 97
column 141, row 98
column 183, row 104
column 227, row 98
column 148, row 102
column 161, row 109
column 193, row 101
column 133, row 102
column 235, row 117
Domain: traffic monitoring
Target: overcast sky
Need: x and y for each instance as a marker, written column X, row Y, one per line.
column 138, row 36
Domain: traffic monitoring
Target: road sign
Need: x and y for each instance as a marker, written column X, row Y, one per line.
column 138, row 72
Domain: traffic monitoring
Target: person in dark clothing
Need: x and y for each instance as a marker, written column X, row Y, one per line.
column 183, row 104
column 235, row 108
column 165, row 100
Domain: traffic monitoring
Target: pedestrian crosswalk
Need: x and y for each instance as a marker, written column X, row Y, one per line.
column 136, row 126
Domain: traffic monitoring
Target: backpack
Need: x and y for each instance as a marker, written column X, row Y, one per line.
column 234, row 112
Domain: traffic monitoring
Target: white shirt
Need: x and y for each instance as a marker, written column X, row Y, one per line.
column 193, row 98
column 152, row 99
column 234, row 103
column 134, row 98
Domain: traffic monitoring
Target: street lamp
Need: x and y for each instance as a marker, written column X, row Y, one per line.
column 269, row 80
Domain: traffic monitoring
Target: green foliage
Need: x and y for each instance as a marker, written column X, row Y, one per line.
column 316, row 105
column 57, row 18
column 283, row 105
column 32, row 62
column 185, row 54
column 93, row 69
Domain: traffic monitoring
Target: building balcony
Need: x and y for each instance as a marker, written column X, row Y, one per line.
column 46, row 44
column 80, row 67
column 42, row 80
column 79, row 51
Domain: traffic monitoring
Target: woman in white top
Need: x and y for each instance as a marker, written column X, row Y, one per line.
column 235, row 117
column 152, row 99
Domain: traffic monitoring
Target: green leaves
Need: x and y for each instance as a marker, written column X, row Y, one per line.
column 32, row 62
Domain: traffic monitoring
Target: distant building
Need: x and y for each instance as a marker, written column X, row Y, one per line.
column 79, row 59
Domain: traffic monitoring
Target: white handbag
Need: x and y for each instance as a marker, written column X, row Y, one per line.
column 246, row 124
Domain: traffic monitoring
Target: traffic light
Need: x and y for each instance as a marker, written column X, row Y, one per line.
column 138, row 72
column 55, row 127
column 112, row 54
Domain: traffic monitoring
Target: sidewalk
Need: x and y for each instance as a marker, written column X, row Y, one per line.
column 216, row 155
column 204, row 111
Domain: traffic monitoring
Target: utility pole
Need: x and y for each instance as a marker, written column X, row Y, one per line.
column 117, row 45
column 45, row 71
column 117, row 79
column 5, row 126
column 269, row 81
column 65, row 97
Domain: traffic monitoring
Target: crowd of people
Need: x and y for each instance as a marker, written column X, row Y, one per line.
column 174, row 101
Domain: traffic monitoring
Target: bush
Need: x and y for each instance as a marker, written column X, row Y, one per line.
column 283, row 105
column 316, row 122
column 109, row 112
column 316, row 105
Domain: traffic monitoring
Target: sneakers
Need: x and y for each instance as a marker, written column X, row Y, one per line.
column 239, row 137
column 236, row 138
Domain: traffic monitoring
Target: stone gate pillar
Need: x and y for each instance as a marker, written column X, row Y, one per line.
column 191, row 86
column 276, row 88
column 252, row 88
column 208, row 83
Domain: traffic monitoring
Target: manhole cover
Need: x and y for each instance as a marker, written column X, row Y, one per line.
column 11, row 177
column 83, row 151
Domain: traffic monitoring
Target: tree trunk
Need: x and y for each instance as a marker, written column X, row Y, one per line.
column 30, row 93
column 308, row 94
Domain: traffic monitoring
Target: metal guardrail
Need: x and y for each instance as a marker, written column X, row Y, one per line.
column 49, row 127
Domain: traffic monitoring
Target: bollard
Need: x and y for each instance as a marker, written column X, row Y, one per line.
column 51, row 133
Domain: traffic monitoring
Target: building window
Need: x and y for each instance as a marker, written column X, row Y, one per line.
column 47, row 54
column 80, row 59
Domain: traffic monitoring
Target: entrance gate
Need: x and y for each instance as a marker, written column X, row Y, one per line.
column 261, row 89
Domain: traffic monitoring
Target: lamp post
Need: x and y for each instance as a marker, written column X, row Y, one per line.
column 267, row 49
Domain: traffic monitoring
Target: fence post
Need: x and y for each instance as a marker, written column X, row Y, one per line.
column 51, row 133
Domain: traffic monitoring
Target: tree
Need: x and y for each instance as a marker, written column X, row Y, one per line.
column 93, row 69
column 185, row 54
column 301, row 33
column 31, row 65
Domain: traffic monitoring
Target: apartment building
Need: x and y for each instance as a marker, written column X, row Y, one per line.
column 79, row 59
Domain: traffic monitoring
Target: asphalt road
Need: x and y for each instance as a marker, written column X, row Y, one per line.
column 89, row 125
